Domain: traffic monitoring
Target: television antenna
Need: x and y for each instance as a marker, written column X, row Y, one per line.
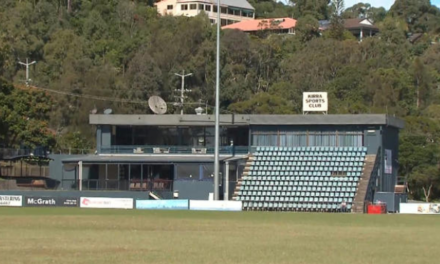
column 182, row 90
column 27, row 64
column 157, row 105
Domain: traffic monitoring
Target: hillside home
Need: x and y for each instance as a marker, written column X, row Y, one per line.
column 231, row 11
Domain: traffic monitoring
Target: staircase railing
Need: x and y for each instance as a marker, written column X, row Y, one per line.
column 373, row 177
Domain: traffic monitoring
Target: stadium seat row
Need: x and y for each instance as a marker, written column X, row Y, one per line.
column 311, row 149
column 324, row 174
column 294, row 206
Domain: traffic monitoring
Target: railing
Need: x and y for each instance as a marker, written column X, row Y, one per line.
column 6, row 153
column 373, row 177
column 119, row 185
column 133, row 149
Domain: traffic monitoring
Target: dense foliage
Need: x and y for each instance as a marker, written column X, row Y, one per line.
column 125, row 50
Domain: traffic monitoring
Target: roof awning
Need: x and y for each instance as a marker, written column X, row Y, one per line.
column 153, row 159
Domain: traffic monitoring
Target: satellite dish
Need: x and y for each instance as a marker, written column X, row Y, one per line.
column 157, row 105
column 108, row 111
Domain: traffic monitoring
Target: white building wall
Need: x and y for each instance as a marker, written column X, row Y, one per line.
column 186, row 8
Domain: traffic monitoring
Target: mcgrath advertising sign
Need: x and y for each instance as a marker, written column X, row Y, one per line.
column 110, row 203
column 315, row 102
column 11, row 200
column 162, row 204
column 215, row 205
column 39, row 201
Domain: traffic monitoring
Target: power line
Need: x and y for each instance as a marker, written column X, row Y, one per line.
column 92, row 97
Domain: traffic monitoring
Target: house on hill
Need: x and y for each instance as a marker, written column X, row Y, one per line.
column 231, row 11
column 274, row 25
column 359, row 27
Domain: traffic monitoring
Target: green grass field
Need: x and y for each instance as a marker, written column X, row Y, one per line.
column 63, row 235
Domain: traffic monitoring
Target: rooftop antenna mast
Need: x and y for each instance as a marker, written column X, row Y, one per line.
column 27, row 64
column 182, row 90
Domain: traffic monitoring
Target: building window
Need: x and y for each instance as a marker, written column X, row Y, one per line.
column 193, row 6
column 212, row 21
column 215, row 9
column 237, row 13
column 169, row 7
column 223, row 10
column 230, row 11
column 224, row 22
column 201, row 7
column 184, row 7
column 207, row 7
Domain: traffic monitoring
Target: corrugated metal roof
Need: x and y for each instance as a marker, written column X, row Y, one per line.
column 232, row 3
column 245, row 120
column 236, row 3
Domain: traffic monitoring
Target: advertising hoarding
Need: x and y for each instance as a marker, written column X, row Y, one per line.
column 215, row 205
column 162, row 204
column 41, row 201
column 419, row 208
column 11, row 200
column 103, row 203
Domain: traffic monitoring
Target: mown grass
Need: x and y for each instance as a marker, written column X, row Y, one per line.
column 67, row 235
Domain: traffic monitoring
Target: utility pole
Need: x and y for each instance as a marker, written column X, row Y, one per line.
column 217, row 110
column 183, row 90
column 27, row 64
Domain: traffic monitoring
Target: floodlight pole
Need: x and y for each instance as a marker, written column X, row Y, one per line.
column 217, row 110
column 182, row 90
column 27, row 64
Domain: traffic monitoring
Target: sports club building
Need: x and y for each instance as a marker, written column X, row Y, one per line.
column 269, row 162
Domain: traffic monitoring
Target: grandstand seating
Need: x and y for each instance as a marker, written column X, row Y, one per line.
column 301, row 178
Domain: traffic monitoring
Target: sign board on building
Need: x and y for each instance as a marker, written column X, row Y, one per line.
column 162, row 204
column 111, row 203
column 215, row 205
column 39, row 201
column 11, row 200
column 315, row 102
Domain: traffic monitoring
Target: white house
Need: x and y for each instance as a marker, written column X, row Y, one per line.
column 231, row 11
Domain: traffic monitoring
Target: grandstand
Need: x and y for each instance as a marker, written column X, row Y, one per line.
column 269, row 162
column 303, row 178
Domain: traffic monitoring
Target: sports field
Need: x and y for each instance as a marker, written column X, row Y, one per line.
column 63, row 235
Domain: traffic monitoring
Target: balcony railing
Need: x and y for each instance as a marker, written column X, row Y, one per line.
column 132, row 149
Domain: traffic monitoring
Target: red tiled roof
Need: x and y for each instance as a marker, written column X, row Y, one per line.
column 262, row 24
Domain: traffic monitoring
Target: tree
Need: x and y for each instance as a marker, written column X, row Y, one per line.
column 307, row 28
column 364, row 10
column 319, row 9
column 24, row 117
column 426, row 179
column 336, row 30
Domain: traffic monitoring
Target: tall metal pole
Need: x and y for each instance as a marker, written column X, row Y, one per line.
column 217, row 110
column 182, row 90
column 27, row 64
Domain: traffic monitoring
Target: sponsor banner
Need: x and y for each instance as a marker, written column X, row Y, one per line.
column 162, row 204
column 40, row 201
column 67, row 202
column 111, row 203
column 419, row 208
column 215, row 205
column 315, row 102
column 11, row 200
